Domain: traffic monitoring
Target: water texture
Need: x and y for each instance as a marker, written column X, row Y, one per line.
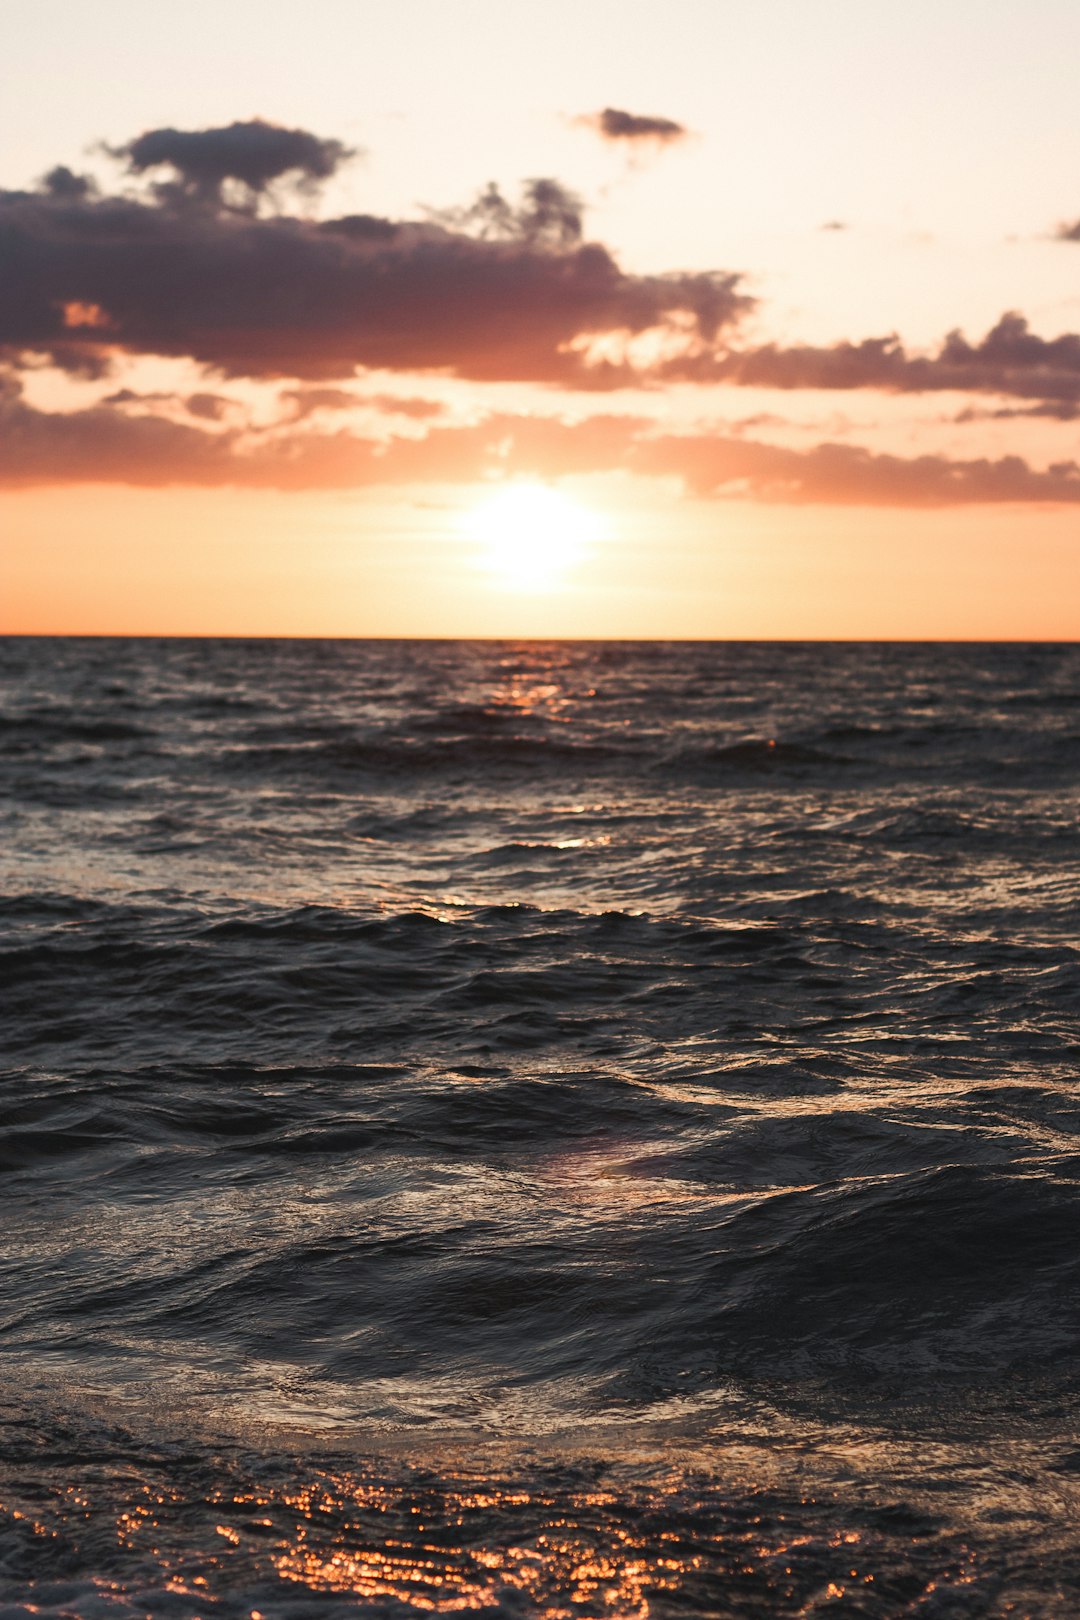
column 566, row 1129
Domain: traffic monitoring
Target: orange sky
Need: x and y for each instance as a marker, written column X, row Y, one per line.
column 760, row 365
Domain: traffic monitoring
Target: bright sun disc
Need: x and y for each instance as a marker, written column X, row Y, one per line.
column 531, row 535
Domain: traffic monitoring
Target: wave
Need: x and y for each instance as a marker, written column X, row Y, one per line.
column 377, row 757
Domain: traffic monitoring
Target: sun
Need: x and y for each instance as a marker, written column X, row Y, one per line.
column 531, row 535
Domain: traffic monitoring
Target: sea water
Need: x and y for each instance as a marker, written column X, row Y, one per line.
column 539, row 1129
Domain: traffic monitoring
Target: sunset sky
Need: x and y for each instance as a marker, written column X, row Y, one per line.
column 575, row 318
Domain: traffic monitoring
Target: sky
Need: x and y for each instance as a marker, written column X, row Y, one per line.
column 562, row 319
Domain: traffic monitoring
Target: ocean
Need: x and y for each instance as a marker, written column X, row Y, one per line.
column 539, row 1129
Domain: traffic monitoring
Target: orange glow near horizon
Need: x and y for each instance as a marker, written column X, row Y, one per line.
column 106, row 560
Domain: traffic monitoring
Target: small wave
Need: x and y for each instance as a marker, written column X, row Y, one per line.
column 58, row 725
column 960, row 1269
column 754, row 754
column 454, row 755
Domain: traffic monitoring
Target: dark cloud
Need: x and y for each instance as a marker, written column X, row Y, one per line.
column 105, row 445
column 500, row 292
column 548, row 215
column 1068, row 233
column 1010, row 359
column 253, row 154
column 613, row 124
column 63, row 183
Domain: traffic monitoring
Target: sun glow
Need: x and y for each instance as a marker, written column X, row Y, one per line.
column 531, row 535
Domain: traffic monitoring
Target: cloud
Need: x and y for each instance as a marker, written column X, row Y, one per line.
column 420, row 410
column 502, row 290
column 253, row 154
column 133, row 396
column 63, row 183
column 498, row 292
column 210, row 407
column 1055, row 410
column 104, row 444
column 206, row 407
column 111, row 443
column 306, row 401
column 108, row 445
column 848, row 475
column 613, row 124
column 548, row 215
column 1010, row 359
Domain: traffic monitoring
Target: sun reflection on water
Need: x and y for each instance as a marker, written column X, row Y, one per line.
column 557, row 1569
column 570, row 1540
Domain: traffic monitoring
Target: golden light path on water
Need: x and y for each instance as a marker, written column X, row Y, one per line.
column 738, row 1530
column 558, row 1553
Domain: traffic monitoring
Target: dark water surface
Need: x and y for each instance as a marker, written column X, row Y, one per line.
column 566, row 1130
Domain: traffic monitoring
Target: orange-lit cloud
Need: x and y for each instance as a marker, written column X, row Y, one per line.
column 104, row 444
column 848, row 475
